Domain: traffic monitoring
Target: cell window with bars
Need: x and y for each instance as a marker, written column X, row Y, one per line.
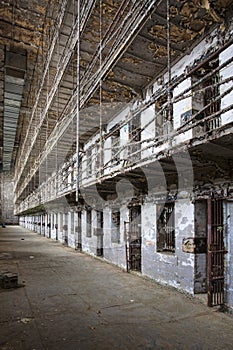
column 115, row 139
column 207, row 91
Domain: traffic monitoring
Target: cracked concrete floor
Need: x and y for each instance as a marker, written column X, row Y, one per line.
column 72, row 301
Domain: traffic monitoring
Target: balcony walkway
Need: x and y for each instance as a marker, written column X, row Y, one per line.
column 72, row 301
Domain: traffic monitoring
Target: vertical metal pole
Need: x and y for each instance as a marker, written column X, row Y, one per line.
column 169, row 63
column 100, row 119
column 78, row 104
column 126, row 245
column 209, row 254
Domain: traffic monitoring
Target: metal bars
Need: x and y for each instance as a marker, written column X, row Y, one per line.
column 78, row 102
column 64, row 60
column 166, row 227
column 132, row 235
column 144, row 144
column 216, row 253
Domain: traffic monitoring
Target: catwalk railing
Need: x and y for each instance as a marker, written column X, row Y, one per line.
column 141, row 138
column 129, row 24
column 63, row 61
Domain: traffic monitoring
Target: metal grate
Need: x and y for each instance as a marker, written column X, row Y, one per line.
column 216, row 253
column 211, row 98
column 132, row 232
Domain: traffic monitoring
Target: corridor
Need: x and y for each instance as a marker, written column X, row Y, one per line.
column 68, row 300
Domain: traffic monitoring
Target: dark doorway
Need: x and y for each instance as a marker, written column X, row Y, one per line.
column 133, row 239
column 78, row 232
column 100, row 226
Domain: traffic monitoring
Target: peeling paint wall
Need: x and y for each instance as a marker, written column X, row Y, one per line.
column 115, row 252
column 182, row 110
column 53, row 226
column 89, row 244
column 149, row 131
column 175, row 269
column 65, row 228
column 71, row 233
column 60, row 225
column 226, row 72
column 7, row 199
column 182, row 269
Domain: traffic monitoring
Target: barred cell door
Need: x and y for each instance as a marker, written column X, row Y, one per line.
column 78, row 230
column 133, row 239
column 216, row 251
column 100, row 239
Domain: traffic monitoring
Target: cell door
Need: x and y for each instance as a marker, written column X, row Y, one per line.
column 56, row 225
column 65, row 230
column 78, row 230
column 134, row 238
column 216, row 252
column 100, row 239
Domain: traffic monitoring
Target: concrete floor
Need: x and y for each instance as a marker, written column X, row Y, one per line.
column 72, row 301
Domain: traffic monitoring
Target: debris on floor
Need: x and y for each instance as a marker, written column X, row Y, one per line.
column 25, row 320
column 9, row 280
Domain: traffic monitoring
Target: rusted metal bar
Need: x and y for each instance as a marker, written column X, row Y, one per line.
column 60, row 72
column 78, row 99
column 126, row 225
column 215, row 257
column 127, row 35
column 197, row 83
column 209, row 256
column 148, row 7
column 61, row 14
column 108, row 34
column 169, row 95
